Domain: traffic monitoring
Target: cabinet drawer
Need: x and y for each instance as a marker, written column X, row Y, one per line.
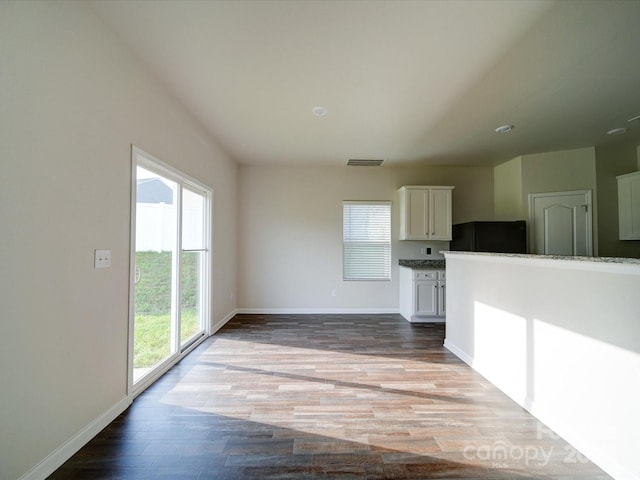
column 425, row 275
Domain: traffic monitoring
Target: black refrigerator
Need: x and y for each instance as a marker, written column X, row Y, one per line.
column 499, row 237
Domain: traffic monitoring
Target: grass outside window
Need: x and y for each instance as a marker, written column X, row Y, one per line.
column 153, row 305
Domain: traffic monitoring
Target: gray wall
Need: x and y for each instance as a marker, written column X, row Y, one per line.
column 290, row 230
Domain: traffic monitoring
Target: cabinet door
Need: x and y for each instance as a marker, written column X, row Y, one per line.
column 426, row 296
column 425, row 213
column 440, row 215
column 417, row 214
column 442, row 298
column 629, row 206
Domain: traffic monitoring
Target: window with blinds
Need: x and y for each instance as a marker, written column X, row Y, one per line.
column 366, row 240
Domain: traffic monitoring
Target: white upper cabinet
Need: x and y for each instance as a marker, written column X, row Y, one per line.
column 425, row 213
column 629, row 206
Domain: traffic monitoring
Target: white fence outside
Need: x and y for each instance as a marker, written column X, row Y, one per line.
column 156, row 227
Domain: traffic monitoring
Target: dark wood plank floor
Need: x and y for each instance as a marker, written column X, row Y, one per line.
column 325, row 396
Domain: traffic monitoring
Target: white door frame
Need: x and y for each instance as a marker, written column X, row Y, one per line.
column 588, row 202
column 148, row 161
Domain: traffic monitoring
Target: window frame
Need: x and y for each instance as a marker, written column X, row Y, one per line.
column 147, row 161
column 348, row 275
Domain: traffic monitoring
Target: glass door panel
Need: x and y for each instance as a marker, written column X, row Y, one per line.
column 155, row 271
column 190, row 311
column 193, row 256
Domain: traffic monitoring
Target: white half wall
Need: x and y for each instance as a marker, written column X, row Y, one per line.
column 562, row 338
column 74, row 100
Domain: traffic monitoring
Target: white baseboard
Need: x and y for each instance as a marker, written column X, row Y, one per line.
column 217, row 326
column 458, row 353
column 60, row 455
column 318, row 311
column 427, row 320
column 65, row 451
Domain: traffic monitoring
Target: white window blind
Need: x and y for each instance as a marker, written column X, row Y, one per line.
column 366, row 240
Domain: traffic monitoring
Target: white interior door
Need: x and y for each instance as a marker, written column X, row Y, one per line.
column 560, row 223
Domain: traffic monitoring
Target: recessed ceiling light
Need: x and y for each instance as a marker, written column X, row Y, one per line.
column 617, row 131
column 319, row 111
column 504, row 128
column 634, row 119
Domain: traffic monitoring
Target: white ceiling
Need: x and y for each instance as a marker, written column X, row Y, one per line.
column 410, row 82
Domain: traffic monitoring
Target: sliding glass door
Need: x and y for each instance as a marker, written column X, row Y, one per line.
column 155, row 270
column 170, row 294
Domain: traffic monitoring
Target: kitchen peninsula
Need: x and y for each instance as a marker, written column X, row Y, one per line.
column 561, row 336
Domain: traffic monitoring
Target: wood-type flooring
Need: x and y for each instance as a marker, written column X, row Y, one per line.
column 325, row 396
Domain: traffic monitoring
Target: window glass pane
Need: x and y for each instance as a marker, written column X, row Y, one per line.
column 192, row 220
column 191, row 295
column 367, row 240
column 156, row 219
column 192, row 268
column 155, row 212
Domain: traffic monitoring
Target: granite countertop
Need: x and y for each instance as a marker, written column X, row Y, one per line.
column 628, row 261
column 438, row 264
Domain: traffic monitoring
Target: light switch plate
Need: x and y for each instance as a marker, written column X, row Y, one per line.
column 102, row 259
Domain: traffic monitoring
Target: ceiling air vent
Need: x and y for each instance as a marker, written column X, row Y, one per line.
column 363, row 162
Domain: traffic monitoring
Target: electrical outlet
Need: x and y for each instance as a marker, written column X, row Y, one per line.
column 334, row 292
column 102, row 259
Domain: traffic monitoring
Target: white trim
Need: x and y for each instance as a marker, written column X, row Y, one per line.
column 65, row 451
column 170, row 362
column 167, row 170
column 193, row 346
column 207, row 303
column 629, row 175
column 318, row 311
column 417, row 319
column 458, row 352
column 164, row 367
column 462, row 355
column 132, row 269
column 176, row 275
column 367, row 202
column 217, row 326
column 158, row 371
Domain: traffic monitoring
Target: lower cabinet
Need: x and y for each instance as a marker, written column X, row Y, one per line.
column 422, row 295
